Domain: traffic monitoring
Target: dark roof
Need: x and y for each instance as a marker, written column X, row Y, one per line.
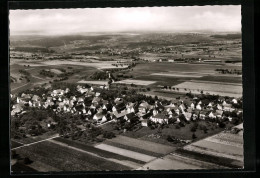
column 130, row 115
column 120, row 106
column 160, row 116
column 146, row 116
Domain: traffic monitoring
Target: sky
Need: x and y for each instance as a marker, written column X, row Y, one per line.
column 175, row 19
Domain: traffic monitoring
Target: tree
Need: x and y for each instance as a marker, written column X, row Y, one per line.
column 109, row 135
column 194, row 136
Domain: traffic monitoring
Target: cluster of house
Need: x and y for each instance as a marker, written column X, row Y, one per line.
column 92, row 106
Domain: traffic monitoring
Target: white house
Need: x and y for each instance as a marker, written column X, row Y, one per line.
column 192, row 106
column 211, row 115
column 198, row 107
column 234, row 101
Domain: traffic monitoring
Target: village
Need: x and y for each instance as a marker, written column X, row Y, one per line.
column 100, row 105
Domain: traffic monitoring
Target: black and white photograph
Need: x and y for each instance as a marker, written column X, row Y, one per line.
column 126, row 89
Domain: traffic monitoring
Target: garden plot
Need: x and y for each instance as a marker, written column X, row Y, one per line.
column 136, row 82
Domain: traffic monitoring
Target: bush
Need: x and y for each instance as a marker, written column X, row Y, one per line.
column 181, row 124
column 194, row 136
column 108, row 135
column 169, row 138
column 221, row 124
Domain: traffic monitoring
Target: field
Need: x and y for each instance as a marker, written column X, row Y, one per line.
column 191, row 75
column 98, row 65
column 165, row 73
column 224, row 145
column 93, row 82
column 66, row 158
column 220, row 88
column 136, row 82
column 141, row 144
column 178, row 162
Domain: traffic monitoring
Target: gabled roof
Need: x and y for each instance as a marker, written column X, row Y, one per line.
column 118, row 100
column 219, row 112
column 35, row 97
column 160, row 116
column 159, row 105
column 105, row 102
column 99, row 115
column 25, row 96
column 145, row 105
column 187, row 101
column 96, row 100
column 187, row 114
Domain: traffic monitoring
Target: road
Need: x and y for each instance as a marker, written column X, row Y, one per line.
column 36, row 83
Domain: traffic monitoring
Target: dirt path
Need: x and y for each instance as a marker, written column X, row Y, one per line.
column 19, row 87
column 25, row 145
